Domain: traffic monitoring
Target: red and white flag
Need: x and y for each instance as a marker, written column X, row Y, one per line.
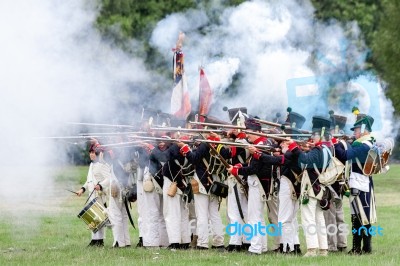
column 205, row 96
column 180, row 100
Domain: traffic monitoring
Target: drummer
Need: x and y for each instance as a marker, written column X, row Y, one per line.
column 97, row 182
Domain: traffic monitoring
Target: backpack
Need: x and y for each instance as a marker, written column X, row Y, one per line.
column 332, row 168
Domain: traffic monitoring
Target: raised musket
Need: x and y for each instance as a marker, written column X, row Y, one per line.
column 237, row 144
column 161, row 139
column 279, row 125
column 272, row 136
column 216, row 125
column 179, row 129
column 112, row 133
column 101, row 125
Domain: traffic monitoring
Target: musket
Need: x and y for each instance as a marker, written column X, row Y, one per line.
column 279, row 125
column 216, row 125
column 227, row 165
column 178, row 129
column 267, row 122
column 237, row 144
column 271, row 136
column 161, row 139
column 112, row 133
column 102, row 125
column 126, row 144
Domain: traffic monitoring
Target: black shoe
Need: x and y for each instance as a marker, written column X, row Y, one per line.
column 184, row 246
column 174, row 246
column 201, row 248
column 341, row 249
column 116, row 245
column 100, row 243
column 297, row 249
column 92, row 243
column 355, row 252
column 245, row 246
column 140, row 243
column 234, row 248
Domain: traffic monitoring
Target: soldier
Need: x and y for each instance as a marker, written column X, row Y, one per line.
column 311, row 213
column 335, row 214
column 98, row 180
column 236, row 201
column 118, row 210
column 155, row 234
column 208, row 168
column 175, row 211
column 260, row 180
column 362, row 199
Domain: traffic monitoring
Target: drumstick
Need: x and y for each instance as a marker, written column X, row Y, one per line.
column 91, row 193
column 71, row 191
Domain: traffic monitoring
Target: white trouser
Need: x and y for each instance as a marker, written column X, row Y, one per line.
column 255, row 215
column 288, row 208
column 119, row 220
column 100, row 233
column 155, row 233
column 272, row 206
column 207, row 210
column 140, row 206
column 192, row 218
column 176, row 216
column 139, row 200
column 334, row 218
column 313, row 222
column 233, row 212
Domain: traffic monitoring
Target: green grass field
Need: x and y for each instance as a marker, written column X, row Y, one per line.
column 51, row 234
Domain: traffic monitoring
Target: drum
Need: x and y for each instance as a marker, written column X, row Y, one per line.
column 94, row 215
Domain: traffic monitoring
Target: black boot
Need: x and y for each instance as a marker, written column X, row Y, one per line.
column 367, row 247
column 297, row 250
column 356, row 249
column 140, row 243
column 92, row 243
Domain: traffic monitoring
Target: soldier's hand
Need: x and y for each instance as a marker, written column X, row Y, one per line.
column 230, row 168
column 79, row 192
column 97, row 187
column 180, row 144
column 252, row 149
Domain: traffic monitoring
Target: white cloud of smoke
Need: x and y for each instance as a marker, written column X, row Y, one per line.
column 56, row 68
column 273, row 44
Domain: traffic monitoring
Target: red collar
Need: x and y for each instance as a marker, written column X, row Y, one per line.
column 260, row 140
column 326, row 143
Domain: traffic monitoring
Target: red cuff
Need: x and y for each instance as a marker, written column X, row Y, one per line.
column 257, row 155
column 238, row 165
column 292, row 146
column 185, row 149
column 334, row 141
column 235, row 171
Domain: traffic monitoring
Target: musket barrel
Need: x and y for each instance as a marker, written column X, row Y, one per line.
column 177, row 129
column 101, row 125
column 237, row 144
column 216, row 125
